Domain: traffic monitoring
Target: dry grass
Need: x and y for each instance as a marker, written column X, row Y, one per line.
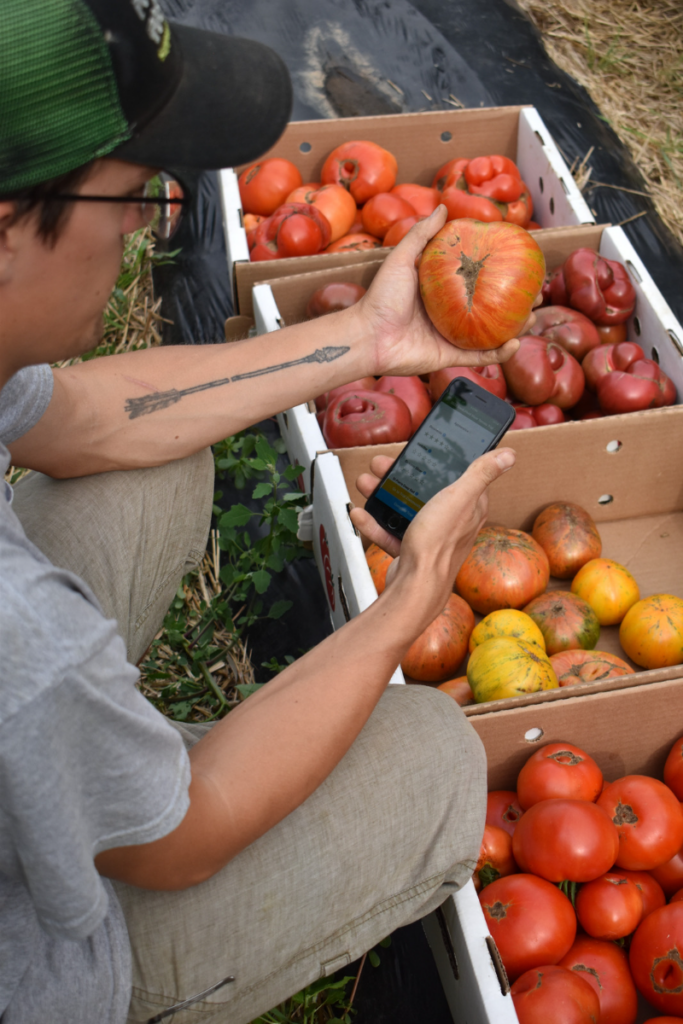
column 629, row 57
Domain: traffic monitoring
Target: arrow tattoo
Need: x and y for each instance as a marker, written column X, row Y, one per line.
column 146, row 404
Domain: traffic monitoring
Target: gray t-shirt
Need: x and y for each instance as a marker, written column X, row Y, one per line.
column 86, row 764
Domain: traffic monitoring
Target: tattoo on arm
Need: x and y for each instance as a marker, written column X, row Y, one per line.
column 146, row 404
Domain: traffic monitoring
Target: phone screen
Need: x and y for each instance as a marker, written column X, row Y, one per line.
column 462, row 426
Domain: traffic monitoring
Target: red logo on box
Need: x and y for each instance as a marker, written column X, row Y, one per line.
column 325, row 554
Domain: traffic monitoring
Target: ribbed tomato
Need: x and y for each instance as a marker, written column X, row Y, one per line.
column 568, row 536
column 364, row 384
column 364, row 168
column 333, row 201
column 543, row 993
column 358, row 242
column 503, row 809
column 365, row 417
column 423, row 200
column 439, row 650
column 566, row 621
column 609, row 907
column 489, row 377
column 505, row 569
column 565, row 840
column 412, row 391
column 656, row 959
column 558, row 771
column 605, row 967
column 382, row 211
column 530, row 920
column 265, row 186
column 673, row 768
column 479, row 281
column 495, row 857
column 573, row 667
column 648, row 819
column 651, row 632
column 378, row 564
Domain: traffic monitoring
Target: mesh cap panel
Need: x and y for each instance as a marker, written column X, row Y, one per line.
column 59, row 104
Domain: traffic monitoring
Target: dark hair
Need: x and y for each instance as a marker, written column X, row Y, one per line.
column 52, row 212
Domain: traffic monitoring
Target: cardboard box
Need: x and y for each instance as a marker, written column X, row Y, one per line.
column 421, row 143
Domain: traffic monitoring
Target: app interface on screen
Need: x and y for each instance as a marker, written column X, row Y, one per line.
column 457, row 433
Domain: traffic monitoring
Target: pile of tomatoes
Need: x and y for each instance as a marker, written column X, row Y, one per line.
column 574, row 875
column 531, row 638
column 357, row 204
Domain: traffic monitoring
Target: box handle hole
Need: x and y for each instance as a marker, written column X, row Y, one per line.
column 636, row 326
column 564, row 185
column 654, row 352
column 676, row 340
column 614, row 446
column 305, row 147
column 533, row 735
column 540, row 184
column 634, row 272
column 286, row 421
column 605, row 499
column 446, row 136
column 552, row 205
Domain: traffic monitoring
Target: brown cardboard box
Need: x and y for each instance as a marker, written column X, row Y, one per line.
column 421, row 144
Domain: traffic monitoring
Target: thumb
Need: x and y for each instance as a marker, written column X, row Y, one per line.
column 414, row 242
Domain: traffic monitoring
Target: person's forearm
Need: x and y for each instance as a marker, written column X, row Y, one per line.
column 150, row 407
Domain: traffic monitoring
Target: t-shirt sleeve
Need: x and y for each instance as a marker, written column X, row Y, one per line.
column 88, row 766
column 23, row 401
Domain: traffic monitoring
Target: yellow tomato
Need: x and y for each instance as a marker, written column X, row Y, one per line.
column 505, row 667
column 507, row 622
column 608, row 587
column 652, row 631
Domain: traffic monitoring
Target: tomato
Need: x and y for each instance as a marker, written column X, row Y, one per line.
column 365, row 417
column 489, row 377
column 364, row 168
column 412, row 391
column 504, row 667
column 609, row 588
column 663, row 1020
column 251, row 221
column 609, row 907
column 670, row 874
column 378, row 564
column 601, row 361
column 504, row 188
column 558, row 770
column 364, row 384
column 333, row 201
column 656, row 958
column 265, row 186
column 495, row 857
column 543, row 371
column 507, row 622
column 652, row 631
column 449, row 174
column 398, row 230
column 648, row 819
column 530, row 920
column 438, row 651
column 566, row 621
column 643, row 386
column 568, row 328
column 461, row 204
column 573, row 667
column 503, row 809
column 565, row 840
column 382, row 211
column 550, row 993
column 459, row 689
column 295, row 229
column 505, row 569
column 673, row 768
column 677, row 897
column 358, row 242
column 568, row 536
column 333, row 297
column 651, row 891
column 522, row 211
column 612, row 334
column 479, row 281
column 605, row 967
column 422, row 199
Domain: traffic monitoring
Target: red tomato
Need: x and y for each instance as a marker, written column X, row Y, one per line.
column 355, row 243
column 609, row 907
column 461, row 204
column 333, row 201
column 382, row 211
column 505, row 569
column 459, row 689
column 438, row 651
column 651, row 891
column 365, row 417
column 551, row 993
column 531, row 921
column 677, row 897
column 265, row 186
column 422, row 199
column 449, row 173
column 495, row 857
column 398, row 231
column 503, row 810
column 299, row 236
column 656, row 959
column 295, row 229
column 364, row 168
column 648, row 819
column 570, row 840
column 605, row 967
column 333, row 297
column 489, row 377
column 558, row 770
column 670, row 874
column 673, row 769
column 479, row 281
column 663, row 1020
column 364, row 384
column 612, row 334
column 412, row 391
column 568, row 328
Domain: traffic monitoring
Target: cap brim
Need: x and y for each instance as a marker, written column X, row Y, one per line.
column 231, row 105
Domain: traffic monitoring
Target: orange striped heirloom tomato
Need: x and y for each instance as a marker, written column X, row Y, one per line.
column 609, row 588
column 438, row 651
column 479, row 281
column 378, row 564
column 566, row 621
column 358, row 242
column 572, row 667
column 505, row 569
column 568, row 536
column 459, row 689
column 652, row 631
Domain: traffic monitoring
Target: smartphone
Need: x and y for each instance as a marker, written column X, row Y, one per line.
column 466, row 422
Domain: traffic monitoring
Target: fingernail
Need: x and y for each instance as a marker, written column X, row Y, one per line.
column 506, row 458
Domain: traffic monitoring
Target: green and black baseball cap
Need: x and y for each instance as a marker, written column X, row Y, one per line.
column 82, row 79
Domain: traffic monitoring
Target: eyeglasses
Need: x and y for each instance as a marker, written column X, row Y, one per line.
column 161, row 203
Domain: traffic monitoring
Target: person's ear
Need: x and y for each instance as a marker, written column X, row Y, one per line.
column 6, row 248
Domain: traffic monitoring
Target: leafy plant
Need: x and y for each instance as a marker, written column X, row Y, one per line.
column 323, row 1002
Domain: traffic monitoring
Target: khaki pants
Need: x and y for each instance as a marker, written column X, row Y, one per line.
column 390, row 833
